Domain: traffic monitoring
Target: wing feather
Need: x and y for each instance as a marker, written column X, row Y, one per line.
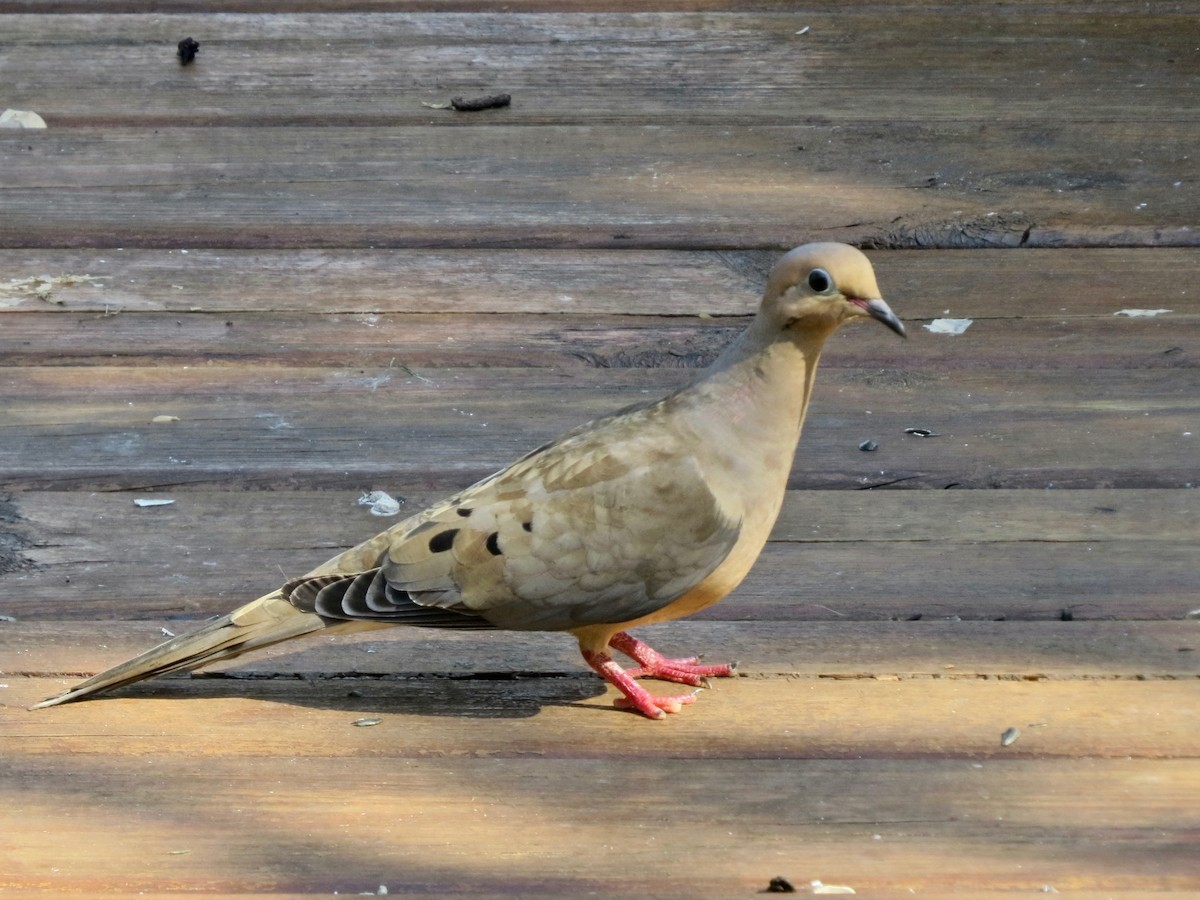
column 609, row 524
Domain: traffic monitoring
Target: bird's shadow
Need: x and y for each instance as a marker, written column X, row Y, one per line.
column 476, row 695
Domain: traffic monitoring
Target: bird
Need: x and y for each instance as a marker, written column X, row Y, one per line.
column 647, row 515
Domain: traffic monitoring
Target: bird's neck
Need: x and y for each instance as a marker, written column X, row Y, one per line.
column 749, row 407
column 765, row 379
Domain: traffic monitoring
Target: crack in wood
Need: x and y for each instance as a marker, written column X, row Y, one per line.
column 14, row 539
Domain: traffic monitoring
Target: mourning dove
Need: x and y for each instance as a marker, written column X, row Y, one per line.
column 650, row 514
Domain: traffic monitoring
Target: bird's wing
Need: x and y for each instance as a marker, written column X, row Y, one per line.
column 608, row 524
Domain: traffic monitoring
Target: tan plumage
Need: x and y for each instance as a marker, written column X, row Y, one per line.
column 649, row 514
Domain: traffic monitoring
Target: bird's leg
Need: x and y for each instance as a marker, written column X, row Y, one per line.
column 636, row 696
column 653, row 664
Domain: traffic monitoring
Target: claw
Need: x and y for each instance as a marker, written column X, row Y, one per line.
column 636, row 697
column 655, row 707
column 653, row 664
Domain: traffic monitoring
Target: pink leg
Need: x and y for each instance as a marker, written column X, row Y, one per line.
column 636, row 696
column 653, row 664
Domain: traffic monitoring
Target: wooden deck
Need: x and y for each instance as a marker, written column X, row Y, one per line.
column 334, row 288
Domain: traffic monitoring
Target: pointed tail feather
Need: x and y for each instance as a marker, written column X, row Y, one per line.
column 267, row 620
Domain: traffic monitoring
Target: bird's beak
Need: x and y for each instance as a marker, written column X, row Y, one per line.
column 878, row 309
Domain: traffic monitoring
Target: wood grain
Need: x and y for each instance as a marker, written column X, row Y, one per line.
column 430, row 826
column 762, row 132
column 335, row 288
column 974, row 555
column 595, row 185
column 940, row 649
column 551, row 717
column 399, row 429
column 1039, row 287
column 814, row 784
column 751, row 68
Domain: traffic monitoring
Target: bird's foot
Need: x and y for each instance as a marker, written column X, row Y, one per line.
column 653, row 664
column 636, row 697
column 655, row 707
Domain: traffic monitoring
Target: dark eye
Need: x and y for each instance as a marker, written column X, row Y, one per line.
column 819, row 281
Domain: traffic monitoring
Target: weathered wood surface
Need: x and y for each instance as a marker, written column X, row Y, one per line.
column 750, row 67
column 852, row 64
column 1011, row 555
column 335, row 289
column 1047, row 388
column 267, row 426
column 961, row 718
column 718, row 130
column 594, row 186
column 944, row 649
column 448, row 798
column 1031, row 286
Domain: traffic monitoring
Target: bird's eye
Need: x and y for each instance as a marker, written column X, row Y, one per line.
column 819, row 281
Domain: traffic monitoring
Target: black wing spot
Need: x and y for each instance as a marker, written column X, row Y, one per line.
column 528, row 526
column 442, row 541
column 464, row 511
column 493, row 543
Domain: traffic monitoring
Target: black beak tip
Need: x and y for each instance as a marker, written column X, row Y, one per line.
column 880, row 311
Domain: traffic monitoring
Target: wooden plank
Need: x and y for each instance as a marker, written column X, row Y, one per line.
column 130, row 7
column 863, row 751
column 404, row 431
column 967, row 517
column 275, row 7
column 748, row 68
column 572, row 717
column 991, row 581
column 649, row 184
column 791, row 582
column 66, row 524
column 927, row 649
column 835, row 555
column 434, row 341
column 328, row 282
column 134, row 7
column 442, row 827
column 369, row 339
column 659, row 186
column 486, row 742
column 978, row 284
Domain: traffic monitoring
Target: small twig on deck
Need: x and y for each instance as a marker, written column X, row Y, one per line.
column 491, row 101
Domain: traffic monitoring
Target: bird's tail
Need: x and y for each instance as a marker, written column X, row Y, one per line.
column 265, row 621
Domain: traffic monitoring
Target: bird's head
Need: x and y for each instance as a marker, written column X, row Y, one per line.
column 817, row 287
